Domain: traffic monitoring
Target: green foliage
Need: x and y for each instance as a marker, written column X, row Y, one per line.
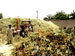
column 73, row 15
column 1, row 15
column 49, row 17
column 45, row 18
column 61, row 16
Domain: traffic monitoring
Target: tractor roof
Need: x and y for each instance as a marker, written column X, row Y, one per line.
column 26, row 21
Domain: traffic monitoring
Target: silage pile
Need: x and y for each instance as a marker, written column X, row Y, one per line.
column 45, row 43
column 37, row 24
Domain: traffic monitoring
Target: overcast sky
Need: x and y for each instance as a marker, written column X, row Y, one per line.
column 28, row 8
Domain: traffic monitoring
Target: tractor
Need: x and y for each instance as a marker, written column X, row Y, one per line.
column 25, row 27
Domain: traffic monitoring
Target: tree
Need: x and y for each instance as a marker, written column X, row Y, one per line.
column 48, row 17
column 1, row 15
column 73, row 15
column 61, row 15
column 45, row 18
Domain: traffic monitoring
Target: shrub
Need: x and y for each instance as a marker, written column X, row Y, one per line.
column 73, row 15
column 61, row 16
column 1, row 15
column 46, row 19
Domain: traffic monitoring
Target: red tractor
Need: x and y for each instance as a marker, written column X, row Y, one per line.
column 27, row 25
column 24, row 28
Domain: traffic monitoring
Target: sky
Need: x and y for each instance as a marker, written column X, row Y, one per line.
column 28, row 8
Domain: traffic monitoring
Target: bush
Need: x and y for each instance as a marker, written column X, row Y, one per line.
column 1, row 15
column 48, row 17
column 45, row 18
column 73, row 15
column 61, row 16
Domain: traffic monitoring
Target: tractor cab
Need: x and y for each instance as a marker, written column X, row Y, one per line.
column 27, row 25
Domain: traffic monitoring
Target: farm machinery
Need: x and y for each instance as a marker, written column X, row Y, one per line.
column 24, row 28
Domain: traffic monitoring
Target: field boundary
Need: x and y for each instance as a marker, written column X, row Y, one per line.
column 64, row 23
